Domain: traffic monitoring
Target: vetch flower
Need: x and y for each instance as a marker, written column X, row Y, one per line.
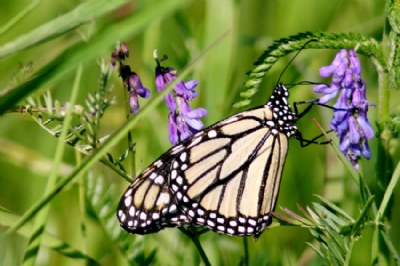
column 135, row 88
column 130, row 78
column 191, row 117
column 119, row 54
column 349, row 120
column 172, row 128
column 183, row 121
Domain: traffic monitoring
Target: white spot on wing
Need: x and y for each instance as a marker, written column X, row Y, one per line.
column 143, row 216
column 176, row 149
column 128, row 192
column 152, row 176
column 233, row 223
column 159, row 180
column 132, row 211
column 195, row 141
column 179, row 180
column 172, row 208
column 128, row 201
column 210, row 223
column 183, row 156
column 173, row 174
column 158, row 163
column 252, row 222
column 179, row 195
column 212, row 134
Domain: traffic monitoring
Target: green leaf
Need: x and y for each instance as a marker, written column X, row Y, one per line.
column 334, row 208
column 82, row 14
column 83, row 52
column 317, row 251
column 8, row 219
column 363, row 216
column 333, row 249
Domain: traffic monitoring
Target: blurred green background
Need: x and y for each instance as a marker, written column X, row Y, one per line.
column 189, row 27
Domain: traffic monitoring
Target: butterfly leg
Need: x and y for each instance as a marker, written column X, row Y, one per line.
column 306, row 142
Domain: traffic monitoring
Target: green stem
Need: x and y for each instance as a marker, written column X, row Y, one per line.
column 82, row 185
column 194, row 236
column 246, row 252
column 348, row 255
column 391, row 247
column 35, row 240
column 16, row 18
column 131, row 145
column 388, row 193
column 196, row 242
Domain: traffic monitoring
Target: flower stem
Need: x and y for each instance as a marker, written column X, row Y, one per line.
column 195, row 239
column 246, row 252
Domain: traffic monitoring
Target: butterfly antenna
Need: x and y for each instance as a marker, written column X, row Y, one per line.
column 294, row 57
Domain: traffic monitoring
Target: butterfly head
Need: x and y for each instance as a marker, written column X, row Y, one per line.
column 281, row 110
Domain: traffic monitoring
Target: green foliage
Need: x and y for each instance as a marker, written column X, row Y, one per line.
column 50, row 240
column 101, row 207
column 334, row 230
column 50, row 115
column 307, row 40
column 43, row 43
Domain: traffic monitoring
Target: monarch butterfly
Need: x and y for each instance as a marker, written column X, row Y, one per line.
column 226, row 177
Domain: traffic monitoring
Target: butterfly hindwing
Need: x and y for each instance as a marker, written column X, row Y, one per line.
column 148, row 205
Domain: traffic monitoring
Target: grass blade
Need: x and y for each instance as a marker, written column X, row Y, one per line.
column 82, row 14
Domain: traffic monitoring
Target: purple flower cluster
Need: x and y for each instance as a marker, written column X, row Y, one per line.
column 131, row 80
column 350, row 120
column 183, row 121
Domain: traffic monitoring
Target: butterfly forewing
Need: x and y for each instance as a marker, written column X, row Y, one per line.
column 223, row 181
column 225, row 177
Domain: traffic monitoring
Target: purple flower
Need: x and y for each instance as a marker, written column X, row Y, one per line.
column 186, row 90
column 349, row 120
column 183, row 121
column 119, row 54
column 164, row 75
column 135, row 87
column 173, row 128
column 191, row 117
column 130, row 79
